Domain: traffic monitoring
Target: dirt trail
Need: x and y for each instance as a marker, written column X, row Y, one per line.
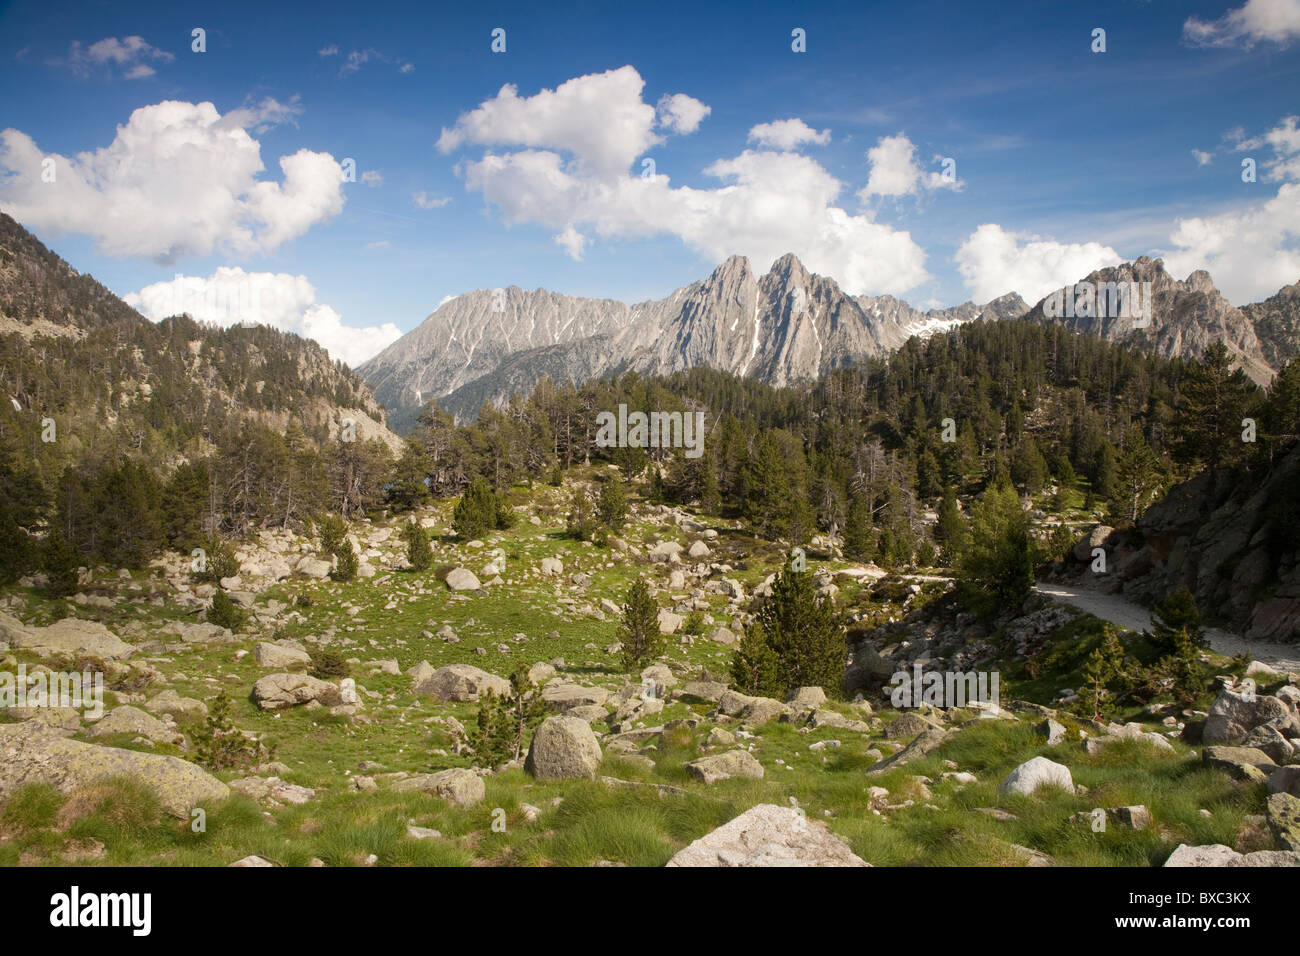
column 1120, row 610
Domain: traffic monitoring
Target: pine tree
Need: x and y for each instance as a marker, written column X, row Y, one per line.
column 950, row 528
column 639, row 632
column 612, row 504
column 581, row 522
column 223, row 612
column 477, row 512
column 859, row 536
column 754, row 665
column 1214, row 401
column 997, row 564
column 418, row 552
column 1176, row 614
column 345, row 568
column 804, row 634
column 59, row 562
column 1137, row 476
column 1028, row 467
column 710, row 496
column 503, row 721
column 409, row 488
column 1103, row 669
column 333, row 531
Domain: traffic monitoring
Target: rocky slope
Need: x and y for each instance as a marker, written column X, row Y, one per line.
column 781, row 327
column 72, row 349
column 1277, row 324
column 1232, row 544
column 1188, row 315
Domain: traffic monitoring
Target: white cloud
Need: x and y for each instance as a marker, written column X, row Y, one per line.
column 894, row 171
column 178, row 179
column 264, row 116
column 356, row 60
column 574, row 179
column 680, row 113
column 599, row 118
column 372, row 177
column 378, row 244
column 573, row 242
column 1276, row 21
column 425, row 201
column 331, row 50
column 787, row 134
column 130, row 55
column 1253, row 251
column 1202, row 157
column 993, row 262
column 231, row 295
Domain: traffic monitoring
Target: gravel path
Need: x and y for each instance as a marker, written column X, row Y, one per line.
column 1120, row 610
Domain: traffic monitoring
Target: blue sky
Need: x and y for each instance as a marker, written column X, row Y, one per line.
column 1063, row 159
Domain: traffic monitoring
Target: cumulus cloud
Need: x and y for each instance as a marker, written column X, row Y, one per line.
column 231, row 296
column 599, row 118
column 178, row 179
column 787, row 134
column 1202, row 157
column 372, row 177
column 1275, row 21
column 425, row 201
column 129, row 56
column 680, row 113
column 573, row 176
column 894, row 171
column 993, row 261
column 1250, row 252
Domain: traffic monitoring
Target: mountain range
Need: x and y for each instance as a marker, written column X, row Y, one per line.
column 785, row 326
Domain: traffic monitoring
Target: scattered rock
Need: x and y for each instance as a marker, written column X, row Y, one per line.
column 32, row 753
column 279, row 691
column 768, row 835
column 1034, row 773
column 563, row 748
column 725, row 766
column 459, row 787
column 460, row 682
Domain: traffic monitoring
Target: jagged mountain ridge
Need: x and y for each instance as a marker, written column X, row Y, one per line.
column 1188, row 315
column 785, row 326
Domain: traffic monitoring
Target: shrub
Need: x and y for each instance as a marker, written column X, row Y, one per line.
column 332, row 530
column 218, row 562
column 504, row 720
column 223, row 612
column 581, row 523
column 327, row 664
column 345, row 569
column 479, row 511
column 219, row 745
column 695, row 624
